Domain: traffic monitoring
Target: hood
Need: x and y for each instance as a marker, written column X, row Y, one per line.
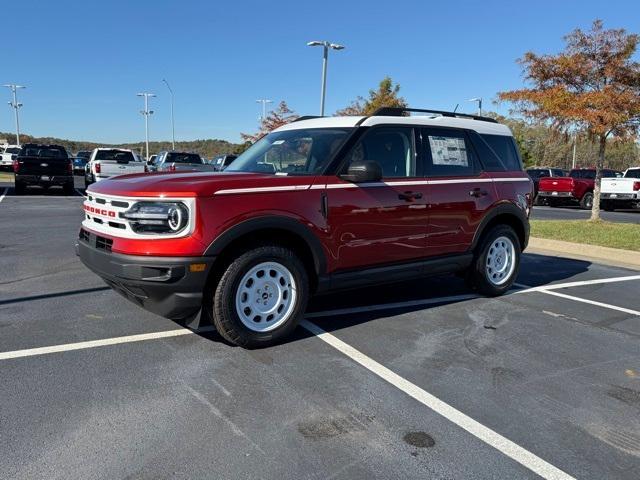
column 190, row 184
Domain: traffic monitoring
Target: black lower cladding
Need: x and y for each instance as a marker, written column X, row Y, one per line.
column 166, row 286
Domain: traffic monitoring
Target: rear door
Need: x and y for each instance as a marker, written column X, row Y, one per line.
column 459, row 193
column 382, row 222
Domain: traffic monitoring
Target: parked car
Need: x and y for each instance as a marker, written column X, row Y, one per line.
column 536, row 173
column 43, row 166
column 576, row 189
column 221, row 162
column 79, row 165
column 180, row 161
column 318, row 204
column 152, row 160
column 110, row 162
column 6, row 158
column 621, row 192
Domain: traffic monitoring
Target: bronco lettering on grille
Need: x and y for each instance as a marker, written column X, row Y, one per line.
column 100, row 211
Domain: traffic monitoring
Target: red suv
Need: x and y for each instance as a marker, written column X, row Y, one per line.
column 316, row 205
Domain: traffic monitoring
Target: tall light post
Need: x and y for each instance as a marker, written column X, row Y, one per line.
column 173, row 125
column 146, row 112
column 16, row 105
column 479, row 100
column 325, row 58
column 264, row 102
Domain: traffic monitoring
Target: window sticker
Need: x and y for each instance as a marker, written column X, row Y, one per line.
column 448, row 151
column 278, row 142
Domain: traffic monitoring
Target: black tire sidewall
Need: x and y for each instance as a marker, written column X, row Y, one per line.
column 480, row 280
column 225, row 316
column 583, row 201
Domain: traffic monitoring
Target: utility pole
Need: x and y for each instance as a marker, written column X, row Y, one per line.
column 146, row 112
column 479, row 100
column 264, row 102
column 16, row 105
column 325, row 60
column 173, row 125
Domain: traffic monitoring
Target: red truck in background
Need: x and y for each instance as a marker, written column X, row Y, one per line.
column 577, row 188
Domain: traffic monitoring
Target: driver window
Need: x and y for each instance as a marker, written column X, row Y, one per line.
column 391, row 147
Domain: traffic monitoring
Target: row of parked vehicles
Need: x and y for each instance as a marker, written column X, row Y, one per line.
column 556, row 187
column 51, row 165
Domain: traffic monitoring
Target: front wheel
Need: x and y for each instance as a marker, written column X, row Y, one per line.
column 586, row 202
column 496, row 262
column 260, row 297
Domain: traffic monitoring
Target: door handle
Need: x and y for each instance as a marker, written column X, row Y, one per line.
column 478, row 192
column 409, row 196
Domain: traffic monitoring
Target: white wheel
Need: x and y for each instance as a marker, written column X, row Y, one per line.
column 500, row 262
column 266, row 297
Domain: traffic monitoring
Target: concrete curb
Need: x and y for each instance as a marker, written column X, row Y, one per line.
column 581, row 251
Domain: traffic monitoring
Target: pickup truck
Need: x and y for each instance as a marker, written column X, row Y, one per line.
column 44, row 166
column 577, row 188
column 6, row 160
column 110, row 162
column 621, row 192
column 181, row 161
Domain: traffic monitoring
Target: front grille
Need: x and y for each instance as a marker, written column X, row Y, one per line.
column 103, row 243
column 84, row 235
column 118, row 203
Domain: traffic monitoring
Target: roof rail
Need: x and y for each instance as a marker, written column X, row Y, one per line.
column 306, row 117
column 398, row 111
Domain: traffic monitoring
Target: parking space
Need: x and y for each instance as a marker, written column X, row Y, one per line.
column 415, row 380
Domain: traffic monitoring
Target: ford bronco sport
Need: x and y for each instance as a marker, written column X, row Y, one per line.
column 316, row 205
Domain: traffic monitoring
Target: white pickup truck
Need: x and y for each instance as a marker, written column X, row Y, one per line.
column 621, row 192
column 111, row 162
column 6, row 151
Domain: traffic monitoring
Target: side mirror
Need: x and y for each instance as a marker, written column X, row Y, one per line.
column 363, row 172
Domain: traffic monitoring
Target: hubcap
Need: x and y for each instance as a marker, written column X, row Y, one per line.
column 266, row 296
column 500, row 260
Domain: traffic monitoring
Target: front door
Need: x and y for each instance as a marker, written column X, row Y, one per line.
column 382, row 222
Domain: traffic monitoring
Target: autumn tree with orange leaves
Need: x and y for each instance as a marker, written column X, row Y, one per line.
column 593, row 85
column 276, row 118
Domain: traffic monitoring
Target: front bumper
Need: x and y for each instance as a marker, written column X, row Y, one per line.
column 619, row 196
column 167, row 286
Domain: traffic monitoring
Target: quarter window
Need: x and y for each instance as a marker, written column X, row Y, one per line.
column 505, row 149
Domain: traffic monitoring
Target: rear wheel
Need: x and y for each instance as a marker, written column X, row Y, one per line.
column 261, row 296
column 496, row 262
column 20, row 188
column 586, row 202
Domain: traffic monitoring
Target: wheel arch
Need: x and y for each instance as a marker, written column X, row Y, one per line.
column 504, row 214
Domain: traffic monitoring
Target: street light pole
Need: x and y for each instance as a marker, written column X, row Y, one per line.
column 325, row 60
column 479, row 100
column 264, row 102
column 16, row 105
column 146, row 112
column 173, row 126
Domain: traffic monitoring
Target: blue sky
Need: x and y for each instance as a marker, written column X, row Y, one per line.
column 84, row 61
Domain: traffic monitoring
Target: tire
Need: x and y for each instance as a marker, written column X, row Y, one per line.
column 607, row 206
column 20, row 188
column 274, row 315
column 87, row 182
column 68, row 189
column 496, row 262
column 586, row 202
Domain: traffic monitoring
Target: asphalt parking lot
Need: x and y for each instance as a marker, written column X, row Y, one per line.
column 576, row 213
column 416, row 380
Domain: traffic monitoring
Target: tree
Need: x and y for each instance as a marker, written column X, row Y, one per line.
column 593, row 85
column 276, row 118
column 385, row 96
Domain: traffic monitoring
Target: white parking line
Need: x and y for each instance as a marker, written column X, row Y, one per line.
column 490, row 437
column 4, row 193
column 582, row 283
column 590, row 302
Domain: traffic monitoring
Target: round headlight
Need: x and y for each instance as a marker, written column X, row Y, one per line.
column 174, row 218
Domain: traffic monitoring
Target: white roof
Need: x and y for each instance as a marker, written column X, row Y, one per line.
column 479, row 126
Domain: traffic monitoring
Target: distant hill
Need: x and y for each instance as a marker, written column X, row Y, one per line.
column 207, row 148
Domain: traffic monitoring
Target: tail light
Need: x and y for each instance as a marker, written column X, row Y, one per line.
column 97, row 167
column 172, row 167
column 636, row 186
column 16, row 166
column 70, row 167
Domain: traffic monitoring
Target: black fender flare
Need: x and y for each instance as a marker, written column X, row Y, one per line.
column 289, row 224
column 503, row 209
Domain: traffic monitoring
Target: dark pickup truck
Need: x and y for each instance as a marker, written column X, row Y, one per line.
column 44, row 166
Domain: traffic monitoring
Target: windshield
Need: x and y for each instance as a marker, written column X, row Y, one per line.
column 117, row 155
column 297, row 152
column 635, row 173
column 83, row 154
column 184, row 158
column 12, row 150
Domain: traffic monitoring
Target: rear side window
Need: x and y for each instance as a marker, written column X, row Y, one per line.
column 183, row 158
column 504, row 147
column 633, row 173
column 447, row 153
column 117, row 155
column 558, row 173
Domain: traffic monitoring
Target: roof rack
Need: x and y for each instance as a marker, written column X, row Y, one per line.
column 398, row 111
column 306, row 117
